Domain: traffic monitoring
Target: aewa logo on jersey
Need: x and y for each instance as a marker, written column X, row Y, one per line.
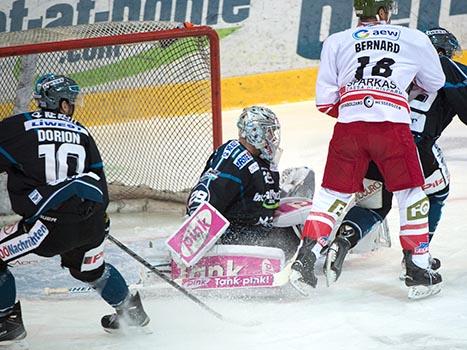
column 372, row 33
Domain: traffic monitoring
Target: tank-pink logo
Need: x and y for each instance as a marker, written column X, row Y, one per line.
column 197, row 234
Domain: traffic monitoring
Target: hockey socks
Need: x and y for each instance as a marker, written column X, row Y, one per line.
column 7, row 291
column 111, row 286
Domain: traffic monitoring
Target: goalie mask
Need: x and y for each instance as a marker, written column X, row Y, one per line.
column 444, row 41
column 51, row 89
column 370, row 8
column 260, row 127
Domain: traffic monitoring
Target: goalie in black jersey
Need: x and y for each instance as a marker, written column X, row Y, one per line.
column 56, row 183
column 241, row 180
column 430, row 114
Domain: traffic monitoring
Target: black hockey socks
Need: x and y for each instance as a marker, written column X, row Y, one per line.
column 7, row 291
column 111, row 286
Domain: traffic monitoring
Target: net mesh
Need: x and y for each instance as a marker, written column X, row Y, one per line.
column 148, row 104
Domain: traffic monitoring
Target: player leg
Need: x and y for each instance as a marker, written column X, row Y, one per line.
column 359, row 221
column 327, row 207
column 11, row 321
column 86, row 263
column 112, row 287
column 420, row 278
column 436, row 205
column 16, row 240
column 345, row 169
column 399, row 162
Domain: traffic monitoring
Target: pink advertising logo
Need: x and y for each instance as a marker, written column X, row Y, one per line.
column 197, row 234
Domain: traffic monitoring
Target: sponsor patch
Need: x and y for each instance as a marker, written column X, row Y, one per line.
column 377, row 33
column 368, row 101
column 35, row 197
column 434, row 183
column 422, row 248
column 242, row 159
column 270, row 196
column 93, row 258
column 253, row 168
column 229, row 148
column 435, row 31
column 418, row 210
column 24, row 243
column 53, row 124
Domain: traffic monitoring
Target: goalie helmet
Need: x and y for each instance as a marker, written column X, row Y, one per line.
column 370, row 8
column 260, row 127
column 444, row 41
column 51, row 89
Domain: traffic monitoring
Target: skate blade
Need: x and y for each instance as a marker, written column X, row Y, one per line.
column 296, row 280
column 331, row 275
column 130, row 331
column 126, row 330
column 421, row 292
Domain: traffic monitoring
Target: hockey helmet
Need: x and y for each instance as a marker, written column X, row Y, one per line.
column 444, row 41
column 51, row 89
column 370, row 8
column 260, row 127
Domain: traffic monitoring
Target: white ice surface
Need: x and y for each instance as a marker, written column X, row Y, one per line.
column 366, row 309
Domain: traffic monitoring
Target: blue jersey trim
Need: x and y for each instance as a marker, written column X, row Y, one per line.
column 97, row 165
column 8, row 156
column 234, row 179
column 460, row 85
column 77, row 187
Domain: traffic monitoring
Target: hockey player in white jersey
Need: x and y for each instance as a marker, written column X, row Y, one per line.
column 363, row 77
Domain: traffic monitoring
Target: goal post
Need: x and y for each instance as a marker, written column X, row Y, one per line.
column 151, row 93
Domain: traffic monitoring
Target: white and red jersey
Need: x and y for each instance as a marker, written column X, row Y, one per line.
column 365, row 71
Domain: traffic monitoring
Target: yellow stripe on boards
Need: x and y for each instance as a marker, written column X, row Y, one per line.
column 269, row 88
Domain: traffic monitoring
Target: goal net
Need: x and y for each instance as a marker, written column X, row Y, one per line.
column 151, row 93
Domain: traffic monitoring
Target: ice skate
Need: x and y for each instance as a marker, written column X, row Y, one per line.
column 335, row 259
column 434, row 262
column 12, row 330
column 422, row 283
column 130, row 315
column 303, row 276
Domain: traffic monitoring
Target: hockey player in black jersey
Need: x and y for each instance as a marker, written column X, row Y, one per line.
column 56, row 183
column 241, row 180
column 431, row 114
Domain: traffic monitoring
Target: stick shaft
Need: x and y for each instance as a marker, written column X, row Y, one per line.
column 164, row 277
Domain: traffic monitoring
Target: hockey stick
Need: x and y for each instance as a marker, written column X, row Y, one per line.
column 172, row 283
column 70, row 290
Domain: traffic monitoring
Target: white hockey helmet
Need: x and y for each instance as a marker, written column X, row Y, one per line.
column 260, row 127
